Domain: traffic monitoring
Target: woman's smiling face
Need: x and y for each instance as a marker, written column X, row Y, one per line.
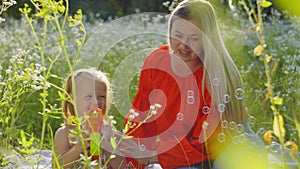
column 186, row 41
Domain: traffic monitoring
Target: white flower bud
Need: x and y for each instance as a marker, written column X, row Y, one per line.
column 136, row 114
column 131, row 111
column 154, row 112
column 157, row 105
column 131, row 117
column 152, row 107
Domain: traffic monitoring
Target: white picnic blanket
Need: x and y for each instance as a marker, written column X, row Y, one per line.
column 16, row 161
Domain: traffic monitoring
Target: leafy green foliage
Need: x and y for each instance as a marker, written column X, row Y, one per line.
column 47, row 44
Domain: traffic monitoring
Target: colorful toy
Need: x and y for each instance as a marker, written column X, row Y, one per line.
column 94, row 126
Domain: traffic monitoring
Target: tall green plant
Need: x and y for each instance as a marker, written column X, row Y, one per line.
column 255, row 16
column 54, row 14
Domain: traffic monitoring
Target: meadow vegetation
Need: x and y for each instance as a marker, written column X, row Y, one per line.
column 39, row 50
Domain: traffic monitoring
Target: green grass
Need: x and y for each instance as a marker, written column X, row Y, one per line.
column 119, row 47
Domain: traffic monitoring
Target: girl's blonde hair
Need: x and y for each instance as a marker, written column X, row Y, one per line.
column 68, row 108
column 217, row 63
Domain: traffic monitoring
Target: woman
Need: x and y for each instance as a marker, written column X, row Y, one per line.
column 200, row 91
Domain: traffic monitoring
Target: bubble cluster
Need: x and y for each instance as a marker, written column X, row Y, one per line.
column 190, row 97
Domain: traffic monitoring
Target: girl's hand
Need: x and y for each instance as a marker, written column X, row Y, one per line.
column 77, row 146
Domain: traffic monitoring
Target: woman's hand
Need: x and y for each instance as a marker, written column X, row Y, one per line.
column 139, row 152
column 111, row 138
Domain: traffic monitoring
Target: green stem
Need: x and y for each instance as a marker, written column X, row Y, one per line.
column 66, row 13
column 44, row 95
column 62, row 42
column 269, row 80
column 260, row 29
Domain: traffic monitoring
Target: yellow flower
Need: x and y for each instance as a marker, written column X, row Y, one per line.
column 294, row 147
column 258, row 50
column 268, row 136
column 278, row 126
column 277, row 100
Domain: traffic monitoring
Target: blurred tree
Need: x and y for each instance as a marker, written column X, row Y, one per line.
column 103, row 8
column 125, row 4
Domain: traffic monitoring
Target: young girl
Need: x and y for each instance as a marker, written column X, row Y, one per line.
column 90, row 92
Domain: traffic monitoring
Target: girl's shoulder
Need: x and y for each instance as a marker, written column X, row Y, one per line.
column 62, row 131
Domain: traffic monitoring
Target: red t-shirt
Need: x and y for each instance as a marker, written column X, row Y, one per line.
column 174, row 131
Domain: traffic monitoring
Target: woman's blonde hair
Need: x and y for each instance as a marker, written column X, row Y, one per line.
column 221, row 75
column 68, row 108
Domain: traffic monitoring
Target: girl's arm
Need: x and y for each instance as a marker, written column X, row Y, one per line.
column 68, row 155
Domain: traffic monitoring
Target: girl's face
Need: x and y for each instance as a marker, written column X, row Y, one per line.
column 186, row 41
column 90, row 93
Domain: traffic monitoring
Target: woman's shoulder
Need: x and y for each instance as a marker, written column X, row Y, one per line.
column 157, row 57
column 160, row 51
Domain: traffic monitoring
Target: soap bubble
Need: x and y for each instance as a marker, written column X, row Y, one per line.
column 142, row 147
column 235, row 139
column 274, row 147
column 221, row 137
column 226, row 98
column 224, row 124
column 239, row 128
column 261, row 132
column 221, row 108
column 243, row 138
column 190, row 93
column 190, row 99
column 205, row 109
column 251, row 120
column 239, row 93
column 180, row 116
column 232, row 125
column 216, row 81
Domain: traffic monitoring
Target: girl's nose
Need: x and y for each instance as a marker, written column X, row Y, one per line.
column 94, row 104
